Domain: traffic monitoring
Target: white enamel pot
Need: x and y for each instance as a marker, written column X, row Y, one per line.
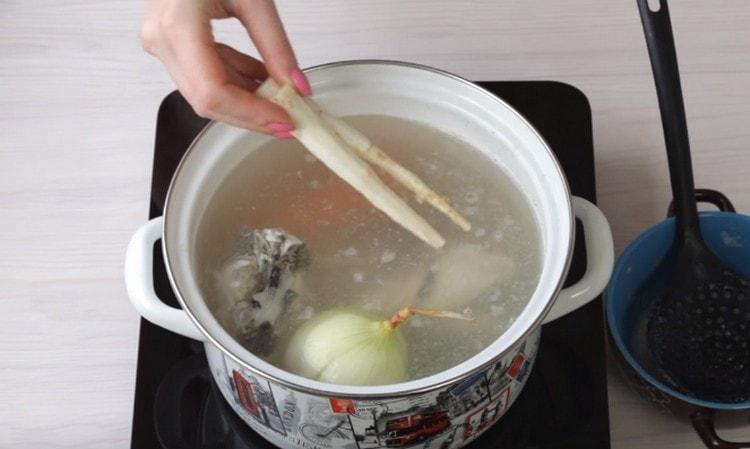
column 448, row 409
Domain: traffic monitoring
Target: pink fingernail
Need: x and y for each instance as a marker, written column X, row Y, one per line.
column 279, row 127
column 301, row 83
column 283, row 135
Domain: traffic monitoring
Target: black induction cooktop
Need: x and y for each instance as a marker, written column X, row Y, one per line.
column 564, row 403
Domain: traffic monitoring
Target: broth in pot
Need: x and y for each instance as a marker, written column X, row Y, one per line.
column 335, row 249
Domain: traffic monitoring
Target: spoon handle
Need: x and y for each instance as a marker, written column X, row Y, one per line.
column 658, row 30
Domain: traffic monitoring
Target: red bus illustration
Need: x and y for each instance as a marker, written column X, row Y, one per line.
column 410, row 429
column 246, row 394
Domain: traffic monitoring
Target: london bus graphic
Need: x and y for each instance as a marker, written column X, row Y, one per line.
column 246, row 394
column 411, row 427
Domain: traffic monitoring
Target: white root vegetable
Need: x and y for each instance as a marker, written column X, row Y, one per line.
column 314, row 133
column 373, row 154
column 352, row 347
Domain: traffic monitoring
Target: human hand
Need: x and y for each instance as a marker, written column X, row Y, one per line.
column 217, row 80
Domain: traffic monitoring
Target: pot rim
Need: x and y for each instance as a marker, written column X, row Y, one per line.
column 430, row 383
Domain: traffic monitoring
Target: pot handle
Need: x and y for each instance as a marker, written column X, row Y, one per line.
column 703, row 423
column 139, row 281
column 710, row 196
column 600, row 257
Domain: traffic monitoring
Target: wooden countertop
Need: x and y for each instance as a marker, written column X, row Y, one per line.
column 78, row 105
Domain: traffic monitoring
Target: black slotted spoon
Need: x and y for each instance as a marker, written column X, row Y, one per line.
column 699, row 330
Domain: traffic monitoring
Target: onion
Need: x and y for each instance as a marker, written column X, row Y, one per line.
column 352, row 347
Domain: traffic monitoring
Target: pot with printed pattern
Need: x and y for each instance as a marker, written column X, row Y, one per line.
column 447, row 409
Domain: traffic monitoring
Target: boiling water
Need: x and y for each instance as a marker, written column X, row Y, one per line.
column 361, row 258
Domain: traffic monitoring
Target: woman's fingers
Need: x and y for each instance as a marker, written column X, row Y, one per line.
column 239, row 107
column 242, row 63
column 220, row 88
column 244, row 71
column 261, row 19
column 218, row 80
column 211, row 90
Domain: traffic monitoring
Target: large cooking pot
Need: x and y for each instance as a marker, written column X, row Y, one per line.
column 450, row 408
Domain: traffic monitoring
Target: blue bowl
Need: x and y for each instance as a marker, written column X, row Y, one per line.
column 727, row 234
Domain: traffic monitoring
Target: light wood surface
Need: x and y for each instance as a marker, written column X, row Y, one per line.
column 78, row 101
